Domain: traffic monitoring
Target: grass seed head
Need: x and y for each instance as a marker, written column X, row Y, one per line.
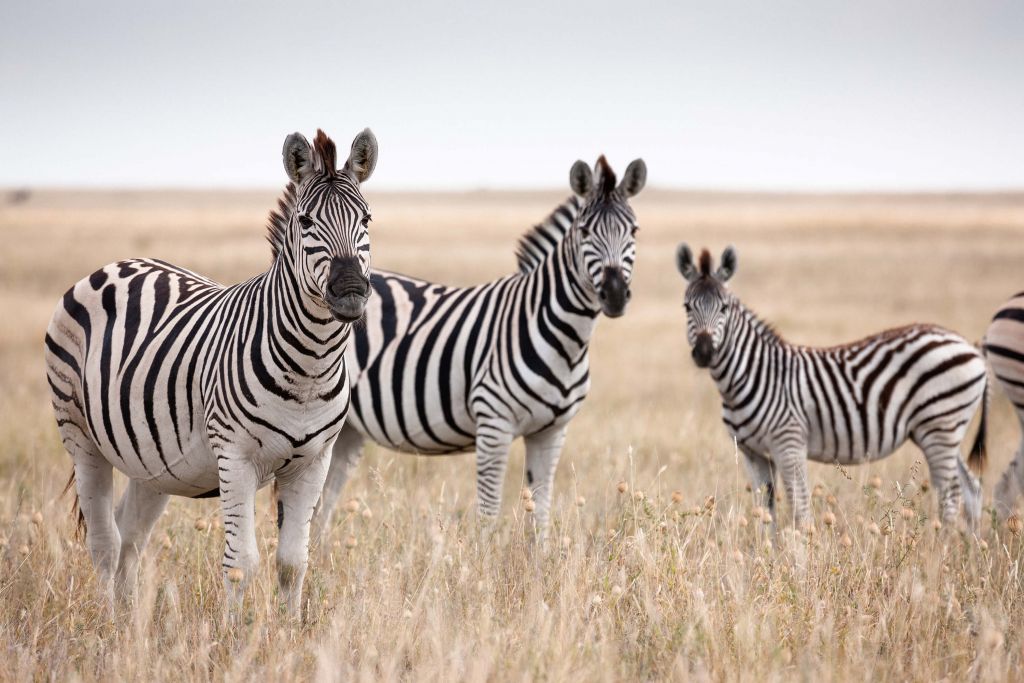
column 351, row 542
column 873, row 528
column 907, row 513
column 677, row 497
column 529, row 505
column 235, row 575
column 622, row 487
column 1014, row 524
column 846, row 541
column 580, row 501
column 875, row 482
column 367, row 514
column 526, row 493
column 352, row 506
column 201, row 524
column 829, row 518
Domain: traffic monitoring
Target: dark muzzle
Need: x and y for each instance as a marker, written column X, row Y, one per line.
column 703, row 350
column 614, row 293
column 347, row 289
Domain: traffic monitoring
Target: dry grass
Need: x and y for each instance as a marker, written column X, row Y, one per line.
column 635, row 585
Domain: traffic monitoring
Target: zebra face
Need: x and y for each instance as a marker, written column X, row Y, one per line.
column 330, row 221
column 707, row 301
column 607, row 229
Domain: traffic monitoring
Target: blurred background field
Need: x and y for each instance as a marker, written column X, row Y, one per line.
column 633, row 585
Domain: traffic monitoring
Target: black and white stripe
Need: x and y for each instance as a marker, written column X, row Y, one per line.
column 443, row 369
column 195, row 389
column 846, row 404
column 1004, row 348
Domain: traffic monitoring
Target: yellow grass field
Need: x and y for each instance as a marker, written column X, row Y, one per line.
column 631, row 586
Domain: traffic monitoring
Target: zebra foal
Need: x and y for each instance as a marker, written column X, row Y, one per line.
column 848, row 404
column 194, row 389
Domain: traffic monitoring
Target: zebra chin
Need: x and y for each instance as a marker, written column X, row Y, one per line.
column 347, row 309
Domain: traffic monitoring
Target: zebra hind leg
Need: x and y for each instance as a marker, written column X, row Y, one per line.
column 348, row 451
column 943, row 460
column 94, row 483
column 1011, row 485
column 138, row 511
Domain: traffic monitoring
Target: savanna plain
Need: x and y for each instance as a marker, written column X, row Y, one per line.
column 657, row 565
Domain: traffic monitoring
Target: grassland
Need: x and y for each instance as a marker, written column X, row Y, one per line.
column 637, row 585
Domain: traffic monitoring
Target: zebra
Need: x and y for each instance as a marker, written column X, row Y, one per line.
column 1004, row 349
column 784, row 404
column 196, row 389
column 442, row 369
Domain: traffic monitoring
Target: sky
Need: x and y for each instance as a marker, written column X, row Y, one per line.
column 780, row 95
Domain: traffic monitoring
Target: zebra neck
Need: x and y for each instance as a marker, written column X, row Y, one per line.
column 749, row 348
column 301, row 338
column 563, row 302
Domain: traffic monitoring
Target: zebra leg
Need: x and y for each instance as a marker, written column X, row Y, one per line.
column 348, row 450
column 793, row 466
column 762, row 481
column 542, row 452
column 297, row 496
column 943, row 459
column 94, row 482
column 238, row 484
column 136, row 514
column 1011, row 485
column 492, row 444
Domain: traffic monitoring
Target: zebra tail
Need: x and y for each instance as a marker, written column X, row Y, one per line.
column 978, row 455
column 76, row 509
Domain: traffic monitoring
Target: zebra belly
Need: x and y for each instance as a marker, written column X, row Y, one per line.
column 436, row 437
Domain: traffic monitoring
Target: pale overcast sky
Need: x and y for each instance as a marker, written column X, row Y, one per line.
column 858, row 94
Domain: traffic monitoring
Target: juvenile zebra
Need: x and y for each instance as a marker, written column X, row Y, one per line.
column 443, row 369
column 1004, row 348
column 194, row 389
column 846, row 404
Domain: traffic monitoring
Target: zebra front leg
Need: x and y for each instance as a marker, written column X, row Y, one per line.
column 542, row 452
column 792, row 463
column 762, row 481
column 297, row 496
column 348, row 450
column 138, row 511
column 492, row 445
column 238, row 484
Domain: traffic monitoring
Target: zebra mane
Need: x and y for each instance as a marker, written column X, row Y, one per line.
column 535, row 245
column 277, row 221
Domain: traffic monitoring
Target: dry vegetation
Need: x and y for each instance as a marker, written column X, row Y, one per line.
column 644, row 584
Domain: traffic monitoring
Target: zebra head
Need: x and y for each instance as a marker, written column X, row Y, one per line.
column 708, row 302
column 606, row 228
column 327, row 231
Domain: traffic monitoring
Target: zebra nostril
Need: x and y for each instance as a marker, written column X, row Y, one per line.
column 601, row 294
column 629, row 294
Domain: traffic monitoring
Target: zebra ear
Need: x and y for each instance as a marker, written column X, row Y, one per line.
column 298, row 157
column 363, row 157
column 727, row 264
column 684, row 262
column 581, row 179
column 634, row 178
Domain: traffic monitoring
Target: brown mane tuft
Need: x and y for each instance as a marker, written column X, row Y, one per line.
column 606, row 177
column 705, row 263
column 326, row 151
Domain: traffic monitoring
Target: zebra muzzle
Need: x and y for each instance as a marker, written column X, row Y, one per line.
column 614, row 292
column 703, row 350
column 347, row 289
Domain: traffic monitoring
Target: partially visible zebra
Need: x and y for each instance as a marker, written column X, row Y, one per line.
column 441, row 369
column 1004, row 348
column 194, row 389
column 846, row 404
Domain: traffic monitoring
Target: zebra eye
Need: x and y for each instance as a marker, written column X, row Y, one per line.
column 585, row 231
column 633, row 230
column 686, row 306
column 306, row 221
column 366, row 221
column 725, row 307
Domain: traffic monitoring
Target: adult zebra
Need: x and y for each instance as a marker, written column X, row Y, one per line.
column 441, row 369
column 847, row 404
column 1004, row 348
column 194, row 389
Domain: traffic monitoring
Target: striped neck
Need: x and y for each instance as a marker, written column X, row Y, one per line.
column 748, row 345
